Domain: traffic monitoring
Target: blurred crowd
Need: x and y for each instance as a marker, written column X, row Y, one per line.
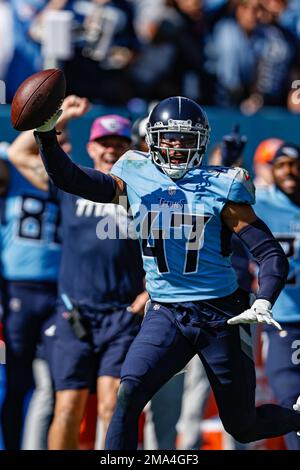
column 241, row 53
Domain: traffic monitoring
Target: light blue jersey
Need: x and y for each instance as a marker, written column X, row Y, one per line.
column 283, row 218
column 30, row 249
column 185, row 245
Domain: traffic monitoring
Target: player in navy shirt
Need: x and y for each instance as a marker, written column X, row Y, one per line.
column 184, row 214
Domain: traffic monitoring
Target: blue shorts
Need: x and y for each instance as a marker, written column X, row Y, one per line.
column 283, row 369
column 77, row 363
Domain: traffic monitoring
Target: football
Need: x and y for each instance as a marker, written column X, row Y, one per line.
column 37, row 99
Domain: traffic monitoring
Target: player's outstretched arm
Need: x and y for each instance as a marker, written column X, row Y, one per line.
column 23, row 152
column 273, row 264
column 66, row 175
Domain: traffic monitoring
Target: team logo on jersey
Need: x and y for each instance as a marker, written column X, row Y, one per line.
column 156, row 307
column 175, row 204
column 172, row 190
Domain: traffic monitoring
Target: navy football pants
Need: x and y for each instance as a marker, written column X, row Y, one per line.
column 169, row 338
column 283, row 369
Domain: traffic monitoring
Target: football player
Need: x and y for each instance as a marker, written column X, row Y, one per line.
column 184, row 214
column 100, row 287
column 279, row 206
column 160, row 430
column 30, row 255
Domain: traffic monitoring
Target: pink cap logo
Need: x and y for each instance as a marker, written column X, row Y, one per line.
column 112, row 124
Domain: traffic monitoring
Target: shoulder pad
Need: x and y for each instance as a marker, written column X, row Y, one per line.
column 134, row 157
column 242, row 189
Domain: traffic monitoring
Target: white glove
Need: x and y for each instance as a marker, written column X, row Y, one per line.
column 50, row 124
column 260, row 312
column 296, row 407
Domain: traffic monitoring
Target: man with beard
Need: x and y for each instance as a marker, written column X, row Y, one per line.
column 279, row 206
